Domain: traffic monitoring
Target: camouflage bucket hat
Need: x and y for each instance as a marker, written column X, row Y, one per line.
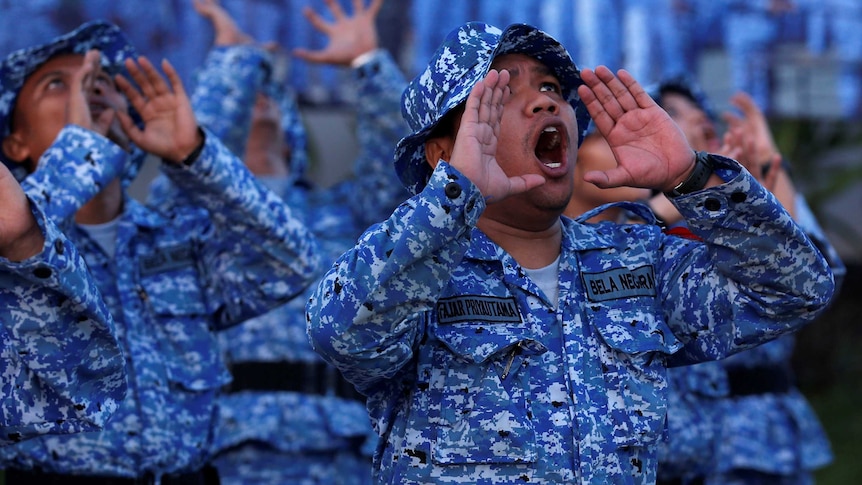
column 462, row 60
column 19, row 65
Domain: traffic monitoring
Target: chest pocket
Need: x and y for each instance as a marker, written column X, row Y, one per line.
column 636, row 344
column 483, row 393
column 181, row 326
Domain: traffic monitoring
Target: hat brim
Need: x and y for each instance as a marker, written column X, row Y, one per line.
column 410, row 163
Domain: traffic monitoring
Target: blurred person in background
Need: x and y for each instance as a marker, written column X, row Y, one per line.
column 287, row 416
column 741, row 420
column 170, row 279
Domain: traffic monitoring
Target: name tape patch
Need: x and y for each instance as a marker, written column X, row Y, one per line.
column 620, row 283
column 166, row 259
column 493, row 309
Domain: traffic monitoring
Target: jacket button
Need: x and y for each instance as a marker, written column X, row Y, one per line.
column 42, row 272
column 453, row 190
column 738, row 197
column 712, row 204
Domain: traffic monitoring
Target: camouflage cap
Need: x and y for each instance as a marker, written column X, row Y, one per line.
column 462, row 60
column 19, row 65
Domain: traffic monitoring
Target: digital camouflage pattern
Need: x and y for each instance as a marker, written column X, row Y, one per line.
column 175, row 278
column 714, row 433
column 471, row 374
column 61, row 370
column 279, row 437
column 717, row 434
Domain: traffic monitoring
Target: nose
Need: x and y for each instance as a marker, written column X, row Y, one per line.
column 96, row 89
column 543, row 102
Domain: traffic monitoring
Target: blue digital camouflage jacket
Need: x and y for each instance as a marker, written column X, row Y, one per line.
column 471, row 374
column 176, row 276
column 61, row 370
column 715, row 431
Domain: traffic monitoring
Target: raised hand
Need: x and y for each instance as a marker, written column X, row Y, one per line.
column 78, row 106
column 650, row 149
column 739, row 143
column 349, row 37
column 170, row 129
column 475, row 149
column 755, row 126
column 83, row 82
column 20, row 236
column 227, row 32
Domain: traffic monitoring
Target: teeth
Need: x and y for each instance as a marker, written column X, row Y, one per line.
column 553, row 165
column 550, row 129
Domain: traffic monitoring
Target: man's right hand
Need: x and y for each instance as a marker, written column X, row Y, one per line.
column 475, row 149
column 20, row 236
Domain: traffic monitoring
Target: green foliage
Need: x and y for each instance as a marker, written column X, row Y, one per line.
column 828, row 366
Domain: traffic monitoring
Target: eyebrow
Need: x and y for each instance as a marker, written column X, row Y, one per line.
column 540, row 69
column 51, row 73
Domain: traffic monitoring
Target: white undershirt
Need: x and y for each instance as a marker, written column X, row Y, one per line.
column 105, row 235
column 548, row 280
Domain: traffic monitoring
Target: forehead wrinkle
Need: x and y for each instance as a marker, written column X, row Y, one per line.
column 62, row 70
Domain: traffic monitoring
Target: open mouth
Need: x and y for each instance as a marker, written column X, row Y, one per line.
column 550, row 149
column 97, row 109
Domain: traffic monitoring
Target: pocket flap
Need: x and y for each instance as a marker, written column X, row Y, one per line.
column 629, row 329
column 477, row 342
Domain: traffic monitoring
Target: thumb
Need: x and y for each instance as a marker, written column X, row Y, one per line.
column 606, row 179
column 129, row 127
column 308, row 55
column 524, row 183
column 104, row 120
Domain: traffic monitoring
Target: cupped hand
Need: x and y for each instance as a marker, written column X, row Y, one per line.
column 650, row 149
column 755, row 126
column 83, row 83
column 475, row 149
column 20, row 237
column 170, row 129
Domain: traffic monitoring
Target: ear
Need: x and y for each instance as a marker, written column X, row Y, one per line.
column 437, row 149
column 15, row 149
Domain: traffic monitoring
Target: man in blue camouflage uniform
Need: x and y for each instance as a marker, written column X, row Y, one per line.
column 169, row 278
column 742, row 419
column 62, row 368
column 288, row 417
column 500, row 343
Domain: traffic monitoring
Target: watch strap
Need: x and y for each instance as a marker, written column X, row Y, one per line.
column 697, row 179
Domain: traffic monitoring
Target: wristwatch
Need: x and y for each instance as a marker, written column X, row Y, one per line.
column 698, row 177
